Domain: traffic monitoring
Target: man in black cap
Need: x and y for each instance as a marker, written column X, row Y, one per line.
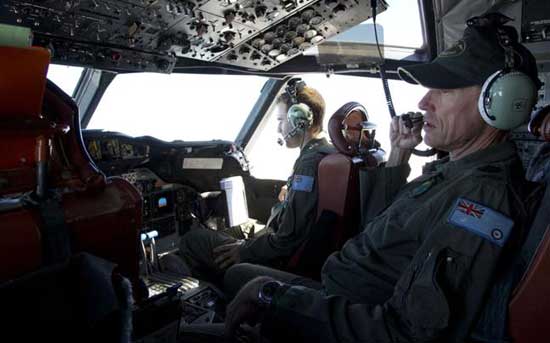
column 421, row 269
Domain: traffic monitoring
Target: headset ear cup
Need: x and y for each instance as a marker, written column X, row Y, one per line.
column 300, row 116
column 507, row 99
column 484, row 99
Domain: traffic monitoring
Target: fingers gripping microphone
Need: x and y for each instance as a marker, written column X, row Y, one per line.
column 412, row 118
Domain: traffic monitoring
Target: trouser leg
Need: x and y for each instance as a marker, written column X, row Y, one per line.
column 196, row 249
column 238, row 275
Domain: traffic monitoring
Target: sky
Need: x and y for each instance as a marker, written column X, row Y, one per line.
column 203, row 107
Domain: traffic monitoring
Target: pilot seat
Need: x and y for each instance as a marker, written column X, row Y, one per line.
column 530, row 305
column 338, row 210
column 64, row 226
column 517, row 306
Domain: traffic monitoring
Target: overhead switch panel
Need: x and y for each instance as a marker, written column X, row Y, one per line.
column 149, row 35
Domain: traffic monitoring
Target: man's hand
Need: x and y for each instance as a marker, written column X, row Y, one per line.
column 227, row 255
column 403, row 137
column 245, row 307
column 403, row 140
column 282, row 193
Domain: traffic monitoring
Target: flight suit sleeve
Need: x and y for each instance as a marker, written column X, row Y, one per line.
column 437, row 298
column 378, row 188
column 296, row 219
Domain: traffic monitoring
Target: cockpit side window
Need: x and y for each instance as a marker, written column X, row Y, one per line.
column 65, row 77
column 396, row 41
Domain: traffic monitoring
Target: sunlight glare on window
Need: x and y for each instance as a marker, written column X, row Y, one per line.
column 171, row 107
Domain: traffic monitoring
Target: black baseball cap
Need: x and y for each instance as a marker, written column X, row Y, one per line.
column 471, row 60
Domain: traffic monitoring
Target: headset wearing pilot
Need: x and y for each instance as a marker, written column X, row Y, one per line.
column 421, row 270
column 300, row 116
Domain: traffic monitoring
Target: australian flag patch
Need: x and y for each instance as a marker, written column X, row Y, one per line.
column 302, row 183
column 481, row 220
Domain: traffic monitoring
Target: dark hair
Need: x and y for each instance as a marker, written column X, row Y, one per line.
column 312, row 98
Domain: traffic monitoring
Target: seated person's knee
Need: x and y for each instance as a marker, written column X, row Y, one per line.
column 237, row 276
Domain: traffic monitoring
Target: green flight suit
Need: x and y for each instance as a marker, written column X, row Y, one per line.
column 291, row 221
column 413, row 274
column 288, row 227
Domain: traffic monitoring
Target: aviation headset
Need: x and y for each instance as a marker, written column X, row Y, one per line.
column 299, row 114
column 509, row 95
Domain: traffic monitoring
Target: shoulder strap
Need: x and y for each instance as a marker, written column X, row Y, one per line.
column 56, row 240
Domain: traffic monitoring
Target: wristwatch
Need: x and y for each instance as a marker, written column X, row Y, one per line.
column 267, row 291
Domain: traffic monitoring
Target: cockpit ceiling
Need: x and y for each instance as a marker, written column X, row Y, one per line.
column 451, row 15
column 149, row 35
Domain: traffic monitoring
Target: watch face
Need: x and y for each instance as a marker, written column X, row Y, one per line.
column 267, row 291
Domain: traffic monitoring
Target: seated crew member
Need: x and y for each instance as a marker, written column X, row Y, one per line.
column 420, row 270
column 300, row 115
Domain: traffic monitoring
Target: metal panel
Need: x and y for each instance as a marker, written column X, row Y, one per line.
column 148, row 35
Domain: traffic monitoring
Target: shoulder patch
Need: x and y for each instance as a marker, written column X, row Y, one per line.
column 481, row 220
column 302, row 183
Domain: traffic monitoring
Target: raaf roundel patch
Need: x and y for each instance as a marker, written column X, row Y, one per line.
column 481, row 220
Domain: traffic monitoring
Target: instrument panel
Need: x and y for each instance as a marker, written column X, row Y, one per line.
column 115, row 149
column 150, row 35
column 168, row 208
column 172, row 178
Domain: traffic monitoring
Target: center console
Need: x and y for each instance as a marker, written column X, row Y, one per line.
column 167, row 208
column 175, row 302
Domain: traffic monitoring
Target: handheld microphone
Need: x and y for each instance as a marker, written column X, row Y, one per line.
column 411, row 118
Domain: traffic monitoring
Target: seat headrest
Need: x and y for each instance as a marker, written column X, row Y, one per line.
column 351, row 116
column 22, row 80
column 540, row 123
